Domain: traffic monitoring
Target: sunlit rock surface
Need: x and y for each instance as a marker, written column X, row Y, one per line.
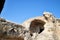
column 51, row 29
column 45, row 27
column 10, row 31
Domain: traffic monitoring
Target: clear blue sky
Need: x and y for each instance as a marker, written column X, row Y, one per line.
column 20, row 10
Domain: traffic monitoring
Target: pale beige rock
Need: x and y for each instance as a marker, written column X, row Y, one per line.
column 49, row 28
column 45, row 27
column 57, row 31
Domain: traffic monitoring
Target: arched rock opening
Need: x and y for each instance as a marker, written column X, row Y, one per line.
column 36, row 26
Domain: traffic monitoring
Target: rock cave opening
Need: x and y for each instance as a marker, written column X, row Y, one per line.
column 36, row 26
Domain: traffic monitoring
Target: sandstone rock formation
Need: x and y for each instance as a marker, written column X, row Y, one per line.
column 49, row 24
column 45, row 27
column 10, row 31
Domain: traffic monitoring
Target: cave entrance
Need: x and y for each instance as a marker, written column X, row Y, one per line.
column 36, row 26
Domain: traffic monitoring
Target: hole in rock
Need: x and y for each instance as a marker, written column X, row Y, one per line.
column 36, row 26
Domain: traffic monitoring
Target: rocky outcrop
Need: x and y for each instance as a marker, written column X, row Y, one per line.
column 48, row 23
column 45, row 27
column 10, row 31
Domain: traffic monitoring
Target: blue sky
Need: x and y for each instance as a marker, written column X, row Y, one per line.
column 20, row 10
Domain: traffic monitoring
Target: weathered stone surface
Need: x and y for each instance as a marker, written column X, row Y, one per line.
column 10, row 31
column 51, row 29
column 45, row 27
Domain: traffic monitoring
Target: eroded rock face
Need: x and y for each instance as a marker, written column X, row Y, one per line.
column 57, row 31
column 45, row 27
column 49, row 25
column 10, row 31
column 36, row 26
